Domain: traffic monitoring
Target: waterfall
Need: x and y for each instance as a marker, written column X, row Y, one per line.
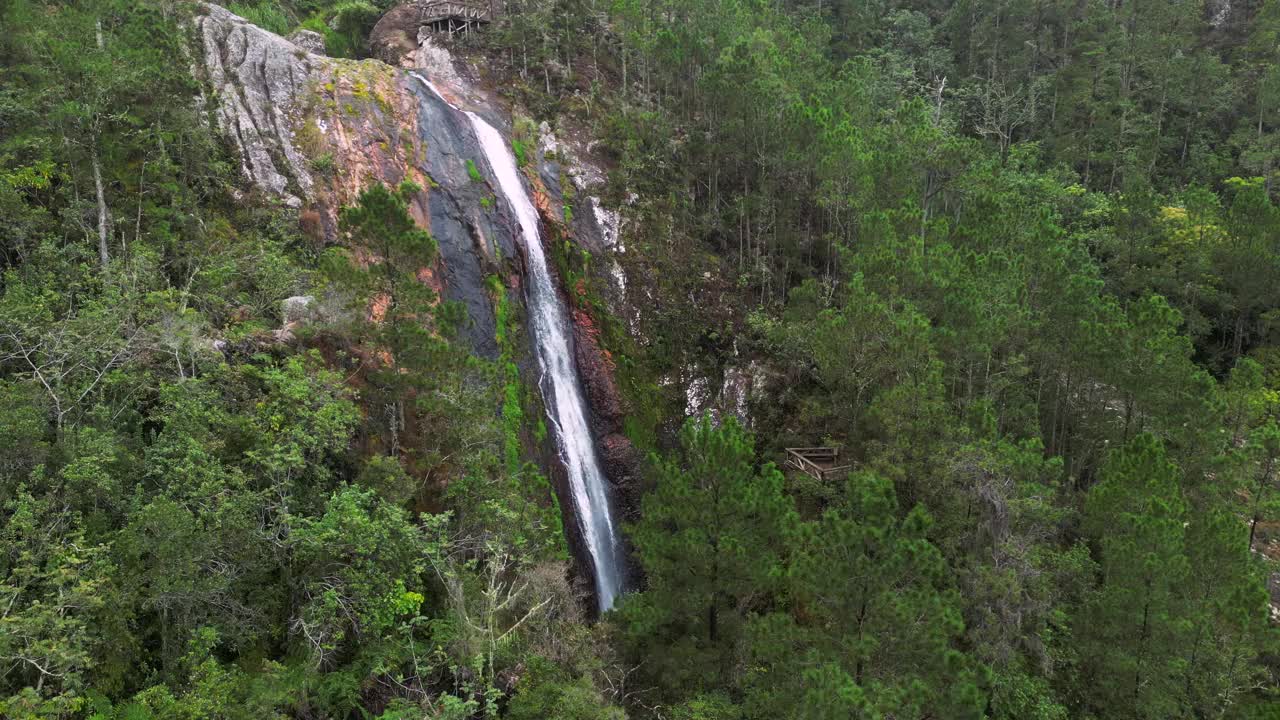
column 566, row 407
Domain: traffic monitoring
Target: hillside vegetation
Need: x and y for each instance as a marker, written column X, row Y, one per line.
column 1018, row 259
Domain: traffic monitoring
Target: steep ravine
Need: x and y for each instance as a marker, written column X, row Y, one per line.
column 313, row 131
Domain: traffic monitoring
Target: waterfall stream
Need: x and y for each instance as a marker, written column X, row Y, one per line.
column 566, row 407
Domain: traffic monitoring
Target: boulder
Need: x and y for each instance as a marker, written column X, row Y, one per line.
column 395, row 36
column 309, row 40
column 298, row 309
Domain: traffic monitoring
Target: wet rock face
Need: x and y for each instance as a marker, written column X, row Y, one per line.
column 597, row 371
column 472, row 224
column 622, row 465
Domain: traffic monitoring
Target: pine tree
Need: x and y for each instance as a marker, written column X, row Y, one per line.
column 709, row 542
column 382, row 270
column 875, row 623
column 1132, row 630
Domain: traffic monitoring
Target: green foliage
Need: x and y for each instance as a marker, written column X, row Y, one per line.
column 1168, row 582
column 1018, row 260
column 345, row 27
column 324, row 164
column 547, row 694
column 880, row 621
column 56, row 589
column 1139, row 513
column 709, row 540
column 358, row 560
column 266, row 15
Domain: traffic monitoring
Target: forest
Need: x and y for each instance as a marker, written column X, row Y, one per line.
column 1019, row 260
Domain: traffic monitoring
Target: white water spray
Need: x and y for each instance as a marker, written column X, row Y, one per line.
column 565, row 405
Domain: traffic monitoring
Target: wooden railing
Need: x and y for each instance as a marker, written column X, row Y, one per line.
column 817, row 462
column 441, row 10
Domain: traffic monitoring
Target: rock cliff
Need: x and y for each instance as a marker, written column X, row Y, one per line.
column 313, row 132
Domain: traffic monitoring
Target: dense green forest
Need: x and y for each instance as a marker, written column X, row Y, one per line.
column 1020, row 259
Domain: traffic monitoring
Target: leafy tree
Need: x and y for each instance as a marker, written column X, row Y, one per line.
column 358, row 566
column 1248, row 255
column 547, row 693
column 68, row 356
column 55, row 588
column 1262, row 455
column 1227, row 612
column 854, row 350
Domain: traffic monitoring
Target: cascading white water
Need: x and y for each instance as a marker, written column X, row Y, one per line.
column 565, row 405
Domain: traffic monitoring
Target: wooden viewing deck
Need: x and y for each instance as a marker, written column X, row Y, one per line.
column 454, row 15
column 821, row 463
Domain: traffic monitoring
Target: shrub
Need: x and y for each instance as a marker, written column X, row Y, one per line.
column 312, row 225
column 354, row 20
column 324, row 164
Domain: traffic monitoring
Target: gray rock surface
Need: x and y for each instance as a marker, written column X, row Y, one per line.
column 309, row 40
column 297, row 309
column 257, row 77
column 1218, row 12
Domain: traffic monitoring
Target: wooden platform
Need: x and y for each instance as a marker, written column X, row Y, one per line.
column 455, row 15
column 821, row 463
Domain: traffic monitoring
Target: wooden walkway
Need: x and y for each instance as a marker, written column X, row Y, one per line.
column 821, row 463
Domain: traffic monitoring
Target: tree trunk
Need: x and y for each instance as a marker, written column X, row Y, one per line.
column 104, row 253
column 1238, row 348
